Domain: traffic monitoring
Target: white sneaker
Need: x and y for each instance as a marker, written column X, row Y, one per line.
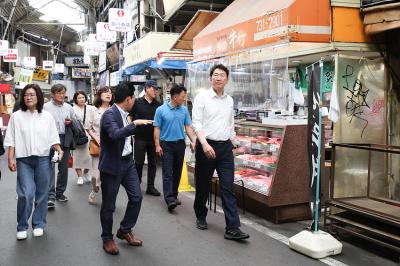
column 92, row 197
column 87, row 178
column 38, row 232
column 80, row 180
column 21, row 235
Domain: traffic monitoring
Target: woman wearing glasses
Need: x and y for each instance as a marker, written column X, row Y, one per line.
column 28, row 154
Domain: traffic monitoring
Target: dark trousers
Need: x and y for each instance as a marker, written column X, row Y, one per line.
column 172, row 162
column 224, row 164
column 62, row 175
column 141, row 148
column 110, row 184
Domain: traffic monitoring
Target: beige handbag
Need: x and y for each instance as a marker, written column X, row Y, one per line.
column 94, row 148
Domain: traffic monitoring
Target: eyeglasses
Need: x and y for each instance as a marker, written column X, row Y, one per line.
column 29, row 95
column 59, row 92
column 221, row 75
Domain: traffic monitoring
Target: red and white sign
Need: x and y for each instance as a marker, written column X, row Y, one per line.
column 12, row 56
column 104, row 34
column 48, row 65
column 120, row 19
column 29, row 62
column 59, row 68
column 3, row 47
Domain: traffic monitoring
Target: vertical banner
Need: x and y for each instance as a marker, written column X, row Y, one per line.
column 313, row 140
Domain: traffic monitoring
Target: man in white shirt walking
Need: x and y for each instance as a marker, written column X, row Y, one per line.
column 213, row 122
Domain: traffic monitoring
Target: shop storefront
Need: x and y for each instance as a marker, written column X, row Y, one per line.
column 270, row 51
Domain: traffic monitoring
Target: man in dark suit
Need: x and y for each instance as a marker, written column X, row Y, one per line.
column 117, row 168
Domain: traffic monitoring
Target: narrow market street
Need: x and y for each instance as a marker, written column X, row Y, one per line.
column 72, row 236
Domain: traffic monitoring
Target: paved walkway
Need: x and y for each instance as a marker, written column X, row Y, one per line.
column 72, row 236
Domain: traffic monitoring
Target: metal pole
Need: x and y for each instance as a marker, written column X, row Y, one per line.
column 10, row 18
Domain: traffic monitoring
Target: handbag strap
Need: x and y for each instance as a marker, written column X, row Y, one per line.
column 84, row 115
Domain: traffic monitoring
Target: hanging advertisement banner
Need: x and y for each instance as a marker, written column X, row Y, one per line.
column 102, row 61
column 104, row 34
column 48, row 65
column 59, row 68
column 40, row 74
column 12, row 56
column 3, row 47
column 25, row 75
column 120, row 19
column 29, row 62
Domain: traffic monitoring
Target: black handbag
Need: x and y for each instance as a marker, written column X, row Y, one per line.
column 80, row 136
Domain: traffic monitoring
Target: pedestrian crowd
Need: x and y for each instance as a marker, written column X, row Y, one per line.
column 108, row 143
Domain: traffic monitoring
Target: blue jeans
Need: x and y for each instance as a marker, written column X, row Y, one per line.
column 33, row 177
column 172, row 162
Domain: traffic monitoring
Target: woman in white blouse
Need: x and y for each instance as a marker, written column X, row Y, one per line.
column 30, row 134
column 103, row 101
column 81, row 159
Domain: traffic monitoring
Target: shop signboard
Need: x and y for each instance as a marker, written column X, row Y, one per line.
column 59, row 68
column 137, row 78
column 48, row 65
column 120, row 19
column 25, row 75
column 82, row 73
column 104, row 34
column 74, row 61
column 40, row 74
column 12, row 56
column 3, row 47
column 268, row 22
column 102, row 61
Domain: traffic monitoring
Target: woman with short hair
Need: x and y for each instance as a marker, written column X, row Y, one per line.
column 30, row 134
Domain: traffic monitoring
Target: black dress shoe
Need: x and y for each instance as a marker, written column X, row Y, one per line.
column 235, row 234
column 178, row 202
column 201, row 224
column 153, row 191
column 171, row 205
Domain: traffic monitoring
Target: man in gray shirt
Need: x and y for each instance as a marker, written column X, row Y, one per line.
column 63, row 115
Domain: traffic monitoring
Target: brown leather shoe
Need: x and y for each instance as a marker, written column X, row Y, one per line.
column 129, row 238
column 110, row 247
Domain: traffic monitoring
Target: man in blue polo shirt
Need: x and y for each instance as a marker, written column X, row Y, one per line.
column 169, row 138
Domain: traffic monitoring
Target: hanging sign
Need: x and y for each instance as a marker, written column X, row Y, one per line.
column 95, row 44
column 29, row 62
column 120, row 19
column 114, row 78
column 104, row 34
column 79, row 73
column 89, row 50
column 48, row 65
column 25, row 75
column 102, row 61
column 3, row 47
column 86, row 59
column 58, row 68
column 74, row 61
column 12, row 56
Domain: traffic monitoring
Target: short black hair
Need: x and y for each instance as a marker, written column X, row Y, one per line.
column 58, row 87
column 177, row 89
column 122, row 91
column 39, row 97
column 97, row 99
column 220, row 67
column 76, row 94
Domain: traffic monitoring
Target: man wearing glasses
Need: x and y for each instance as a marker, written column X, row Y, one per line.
column 213, row 122
column 145, row 108
column 63, row 115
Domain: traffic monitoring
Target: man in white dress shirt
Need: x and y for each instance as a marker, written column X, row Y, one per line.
column 213, row 122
